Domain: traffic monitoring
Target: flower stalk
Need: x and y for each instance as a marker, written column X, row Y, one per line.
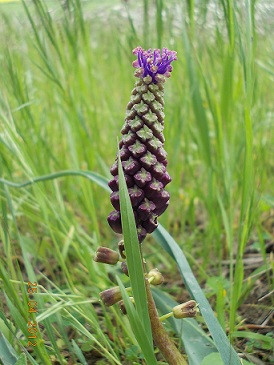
column 160, row 336
column 144, row 163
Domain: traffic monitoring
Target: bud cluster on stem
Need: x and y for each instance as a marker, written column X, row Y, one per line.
column 144, row 163
column 144, row 159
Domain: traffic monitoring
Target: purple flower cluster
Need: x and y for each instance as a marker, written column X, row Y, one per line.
column 142, row 146
column 153, row 63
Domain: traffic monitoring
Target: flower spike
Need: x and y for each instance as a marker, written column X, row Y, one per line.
column 144, row 159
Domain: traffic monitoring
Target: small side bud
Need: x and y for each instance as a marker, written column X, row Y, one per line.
column 124, row 268
column 111, row 296
column 106, row 256
column 121, row 248
column 186, row 310
column 122, row 305
column 156, row 278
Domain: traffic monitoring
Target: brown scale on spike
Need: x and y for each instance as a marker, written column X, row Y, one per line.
column 142, row 151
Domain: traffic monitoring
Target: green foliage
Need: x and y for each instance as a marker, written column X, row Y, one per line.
column 8, row 355
column 22, row 360
column 132, row 353
column 228, row 354
column 196, row 342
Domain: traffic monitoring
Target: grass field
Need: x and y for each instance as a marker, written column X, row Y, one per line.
column 66, row 78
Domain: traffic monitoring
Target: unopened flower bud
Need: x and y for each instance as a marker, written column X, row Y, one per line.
column 121, row 248
column 186, row 310
column 106, row 256
column 124, row 268
column 156, row 278
column 122, row 305
column 111, row 296
column 114, row 220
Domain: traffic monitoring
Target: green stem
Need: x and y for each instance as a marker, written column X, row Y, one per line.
column 166, row 316
column 161, row 338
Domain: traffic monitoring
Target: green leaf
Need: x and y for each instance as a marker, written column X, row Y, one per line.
column 22, row 360
column 245, row 362
column 7, row 353
column 227, row 352
column 196, row 342
column 213, row 359
column 138, row 327
column 6, row 327
column 79, row 353
column 254, row 336
column 134, row 259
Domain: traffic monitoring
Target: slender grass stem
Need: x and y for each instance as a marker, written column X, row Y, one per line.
column 53, row 176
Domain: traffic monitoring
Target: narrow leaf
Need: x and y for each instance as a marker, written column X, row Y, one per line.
column 22, row 360
column 134, row 259
column 138, row 327
column 7, row 353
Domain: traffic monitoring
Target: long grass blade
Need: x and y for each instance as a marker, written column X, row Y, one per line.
column 134, row 258
column 228, row 354
column 138, row 327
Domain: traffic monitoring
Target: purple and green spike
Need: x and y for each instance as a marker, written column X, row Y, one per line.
column 143, row 156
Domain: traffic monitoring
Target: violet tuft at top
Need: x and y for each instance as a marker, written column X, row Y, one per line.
column 153, row 63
